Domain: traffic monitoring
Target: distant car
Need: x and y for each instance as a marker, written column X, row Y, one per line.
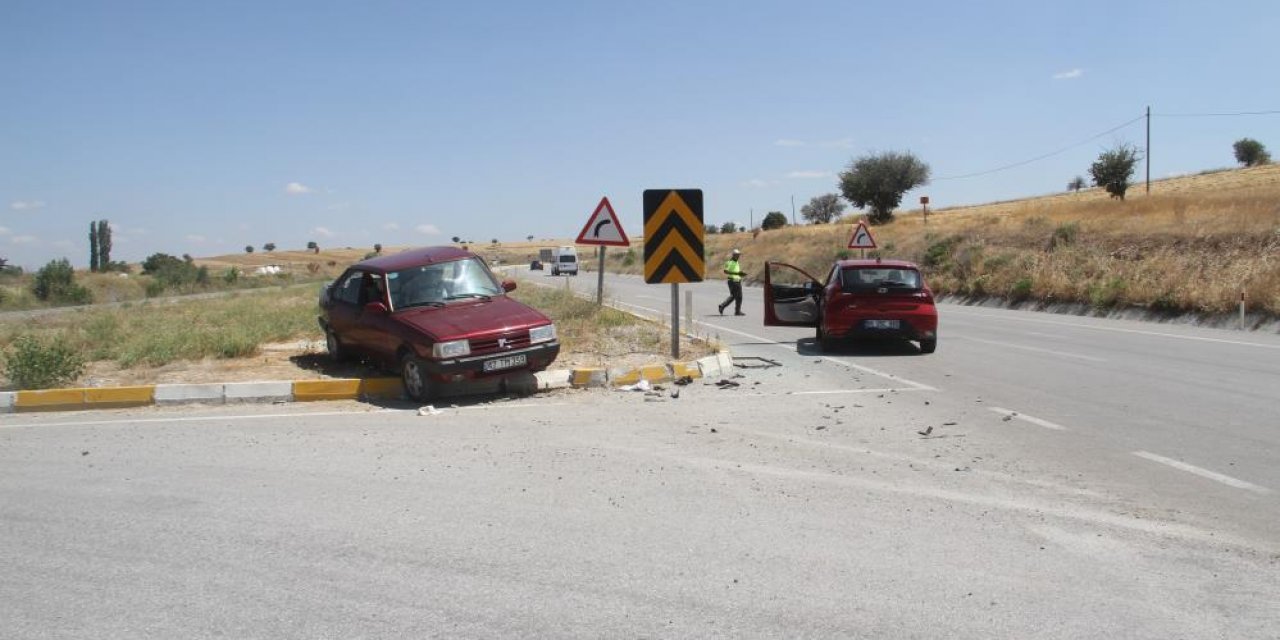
column 859, row 300
column 437, row 315
column 536, row 265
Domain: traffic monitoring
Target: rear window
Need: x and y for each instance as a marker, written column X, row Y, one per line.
column 568, row 259
column 861, row 278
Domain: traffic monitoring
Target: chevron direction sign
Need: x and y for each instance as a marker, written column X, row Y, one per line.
column 673, row 236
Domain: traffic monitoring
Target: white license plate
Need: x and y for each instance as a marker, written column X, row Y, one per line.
column 505, row 363
column 882, row 324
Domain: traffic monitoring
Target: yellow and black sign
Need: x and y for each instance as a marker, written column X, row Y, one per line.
column 673, row 236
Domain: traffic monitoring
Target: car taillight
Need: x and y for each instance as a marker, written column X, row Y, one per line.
column 923, row 296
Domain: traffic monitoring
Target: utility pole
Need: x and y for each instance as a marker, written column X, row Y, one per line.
column 751, row 218
column 1148, row 153
column 793, row 210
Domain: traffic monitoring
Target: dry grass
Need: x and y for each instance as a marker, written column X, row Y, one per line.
column 1189, row 246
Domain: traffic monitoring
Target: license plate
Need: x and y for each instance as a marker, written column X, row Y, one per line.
column 505, row 363
column 882, row 324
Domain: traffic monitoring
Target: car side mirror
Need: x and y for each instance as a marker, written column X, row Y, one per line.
column 375, row 307
column 508, row 285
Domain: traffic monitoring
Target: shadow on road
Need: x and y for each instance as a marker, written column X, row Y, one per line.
column 863, row 348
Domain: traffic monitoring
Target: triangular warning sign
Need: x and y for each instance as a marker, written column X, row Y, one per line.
column 603, row 228
column 862, row 238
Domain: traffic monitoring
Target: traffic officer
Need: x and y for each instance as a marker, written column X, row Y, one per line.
column 733, row 273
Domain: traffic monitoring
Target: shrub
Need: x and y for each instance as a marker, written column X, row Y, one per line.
column 773, row 220
column 1113, row 169
column 1064, row 234
column 55, row 282
column 629, row 258
column 231, row 275
column 939, row 252
column 1106, row 294
column 34, row 364
column 1021, row 290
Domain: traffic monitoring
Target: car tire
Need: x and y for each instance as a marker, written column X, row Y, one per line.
column 929, row 346
column 414, row 377
column 825, row 341
column 333, row 345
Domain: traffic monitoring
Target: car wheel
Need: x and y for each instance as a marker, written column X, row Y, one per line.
column 414, row 376
column 336, row 351
column 825, row 341
column 929, row 346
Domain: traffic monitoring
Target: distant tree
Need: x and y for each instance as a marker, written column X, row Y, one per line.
column 712, row 229
column 157, row 262
column 377, row 248
column 728, row 227
column 457, row 239
column 1113, row 168
column 93, row 247
column 269, row 247
column 822, row 209
column 315, row 248
column 248, row 248
column 773, row 220
column 1250, row 152
column 104, row 243
column 55, row 282
column 879, row 180
column 493, row 241
column 529, row 238
column 1077, row 183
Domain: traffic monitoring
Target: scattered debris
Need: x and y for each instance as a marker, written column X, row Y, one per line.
column 727, row 384
column 643, row 385
column 713, row 430
column 84, row 453
column 928, row 430
column 764, row 363
column 683, row 380
column 1007, row 418
column 950, row 424
column 820, row 427
column 675, row 394
column 429, row 410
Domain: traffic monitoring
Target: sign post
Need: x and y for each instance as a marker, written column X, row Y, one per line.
column 603, row 229
column 924, row 206
column 673, row 245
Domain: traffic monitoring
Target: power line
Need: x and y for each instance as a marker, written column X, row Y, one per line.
column 1044, row 156
column 1216, row 115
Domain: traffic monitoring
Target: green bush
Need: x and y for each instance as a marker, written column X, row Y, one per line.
column 1064, row 234
column 34, row 364
column 939, row 253
column 629, row 258
column 1021, row 290
column 55, row 283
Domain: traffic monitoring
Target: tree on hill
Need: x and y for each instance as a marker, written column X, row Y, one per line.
column 104, row 244
column 248, row 248
column 1250, row 152
column 1114, row 167
column 728, row 227
column 313, row 247
column 457, row 239
column 711, row 229
column 773, row 220
column 269, row 247
column 822, row 209
column 1077, row 183
column 879, row 180
column 377, row 248
column 529, row 238
column 55, row 282
column 93, row 247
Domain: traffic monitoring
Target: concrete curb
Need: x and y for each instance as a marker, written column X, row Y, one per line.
column 84, row 398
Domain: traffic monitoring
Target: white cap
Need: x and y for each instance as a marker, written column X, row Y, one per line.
column 736, row 251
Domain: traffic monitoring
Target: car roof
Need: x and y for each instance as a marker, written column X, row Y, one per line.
column 891, row 264
column 413, row 258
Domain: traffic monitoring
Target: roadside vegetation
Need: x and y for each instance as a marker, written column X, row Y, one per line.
column 1190, row 246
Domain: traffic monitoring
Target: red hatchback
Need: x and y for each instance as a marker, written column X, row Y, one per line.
column 437, row 315
column 861, row 299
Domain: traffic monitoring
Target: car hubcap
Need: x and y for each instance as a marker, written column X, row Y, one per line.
column 332, row 342
column 413, row 378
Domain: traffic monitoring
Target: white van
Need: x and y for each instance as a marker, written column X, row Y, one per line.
column 565, row 261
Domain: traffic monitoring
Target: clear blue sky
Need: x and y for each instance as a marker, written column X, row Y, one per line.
column 200, row 127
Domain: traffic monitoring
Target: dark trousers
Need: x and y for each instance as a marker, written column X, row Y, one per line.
column 735, row 296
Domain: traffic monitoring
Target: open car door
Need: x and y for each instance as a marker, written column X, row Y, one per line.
column 792, row 298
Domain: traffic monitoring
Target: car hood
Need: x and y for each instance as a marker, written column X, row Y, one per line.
column 472, row 318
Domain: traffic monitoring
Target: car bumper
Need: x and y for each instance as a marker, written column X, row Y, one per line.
column 908, row 329
column 537, row 358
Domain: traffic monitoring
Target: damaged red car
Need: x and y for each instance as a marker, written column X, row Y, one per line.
column 438, row 316
column 859, row 300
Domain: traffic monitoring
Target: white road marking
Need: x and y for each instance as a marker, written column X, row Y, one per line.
column 1026, row 418
column 262, row 416
column 1116, row 329
column 1204, row 473
column 1011, row 345
column 841, row 391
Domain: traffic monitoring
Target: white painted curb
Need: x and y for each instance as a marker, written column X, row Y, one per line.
column 6, row 401
column 259, row 391
column 210, row 393
column 552, row 379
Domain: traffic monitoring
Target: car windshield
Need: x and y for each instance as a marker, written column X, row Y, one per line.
column 879, row 277
column 435, row 284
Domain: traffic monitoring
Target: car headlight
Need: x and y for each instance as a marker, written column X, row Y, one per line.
column 545, row 333
column 451, row 349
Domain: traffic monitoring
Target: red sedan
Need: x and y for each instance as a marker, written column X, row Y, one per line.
column 861, row 299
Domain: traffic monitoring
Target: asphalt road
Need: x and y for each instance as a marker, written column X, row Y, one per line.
column 806, row 501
